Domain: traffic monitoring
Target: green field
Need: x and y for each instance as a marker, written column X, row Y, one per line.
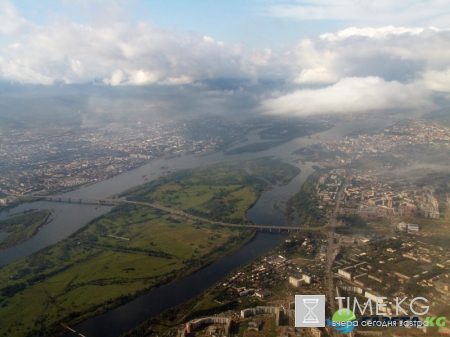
column 22, row 227
column 134, row 248
column 257, row 147
column 221, row 192
column 438, row 227
column 92, row 271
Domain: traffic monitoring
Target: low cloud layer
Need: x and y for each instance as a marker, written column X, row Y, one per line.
column 360, row 69
column 349, row 95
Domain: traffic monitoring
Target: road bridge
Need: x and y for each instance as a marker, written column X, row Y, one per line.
column 78, row 200
column 72, row 199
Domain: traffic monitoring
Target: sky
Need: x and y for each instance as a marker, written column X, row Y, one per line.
column 327, row 56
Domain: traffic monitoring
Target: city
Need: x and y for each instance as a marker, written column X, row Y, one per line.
column 386, row 227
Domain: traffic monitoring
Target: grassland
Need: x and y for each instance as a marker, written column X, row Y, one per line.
column 435, row 232
column 134, row 249
column 257, row 147
column 107, row 263
column 439, row 227
column 22, row 227
column 221, row 192
column 280, row 134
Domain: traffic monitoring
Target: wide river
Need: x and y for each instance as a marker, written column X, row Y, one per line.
column 68, row 218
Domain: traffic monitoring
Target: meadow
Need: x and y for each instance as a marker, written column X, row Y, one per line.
column 133, row 249
column 112, row 260
column 221, row 192
column 22, row 227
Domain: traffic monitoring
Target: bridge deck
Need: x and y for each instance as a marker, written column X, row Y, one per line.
column 73, row 199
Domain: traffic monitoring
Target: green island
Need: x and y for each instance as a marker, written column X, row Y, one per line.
column 22, row 227
column 132, row 249
column 222, row 192
column 277, row 135
column 256, row 147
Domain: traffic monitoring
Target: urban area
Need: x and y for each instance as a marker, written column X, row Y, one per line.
column 374, row 218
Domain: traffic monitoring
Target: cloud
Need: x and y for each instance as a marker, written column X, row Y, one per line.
column 10, row 20
column 354, row 69
column 351, row 95
column 367, row 12
column 392, row 53
column 437, row 80
column 374, row 33
column 360, row 69
column 117, row 53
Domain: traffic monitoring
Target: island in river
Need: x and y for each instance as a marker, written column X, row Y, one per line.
column 22, row 227
column 133, row 249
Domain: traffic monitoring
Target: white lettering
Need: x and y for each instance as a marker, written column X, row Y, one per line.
column 426, row 307
column 380, row 305
column 362, row 311
column 397, row 305
column 340, row 303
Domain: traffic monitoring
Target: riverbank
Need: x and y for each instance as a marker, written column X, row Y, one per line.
column 90, row 272
column 95, row 247
column 18, row 201
column 68, row 218
column 132, row 314
column 234, row 292
column 22, row 227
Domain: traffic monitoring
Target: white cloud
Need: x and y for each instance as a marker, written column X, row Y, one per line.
column 369, row 68
column 10, row 20
column 437, row 80
column 117, row 53
column 117, row 77
column 351, row 95
column 374, row 33
column 368, row 12
column 392, row 53
column 310, row 64
column 358, row 68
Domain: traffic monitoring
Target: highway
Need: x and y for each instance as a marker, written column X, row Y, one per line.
column 330, row 251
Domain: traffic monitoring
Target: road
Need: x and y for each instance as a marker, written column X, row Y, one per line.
column 226, row 224
column 330, row 252
column 184, row 214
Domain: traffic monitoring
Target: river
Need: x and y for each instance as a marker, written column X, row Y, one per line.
column 130, row 315
column 68, row 218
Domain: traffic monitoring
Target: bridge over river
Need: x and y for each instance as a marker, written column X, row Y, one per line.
column 111, row 202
